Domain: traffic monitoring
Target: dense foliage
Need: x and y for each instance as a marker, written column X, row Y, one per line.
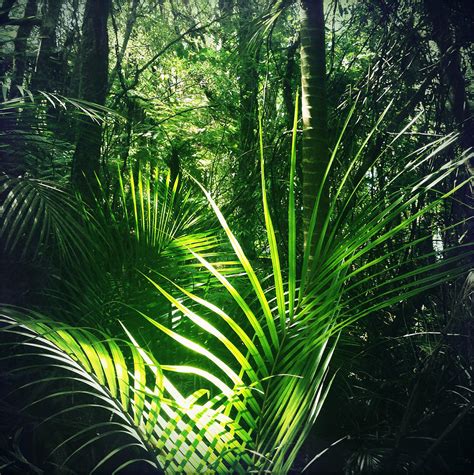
column 236, row 236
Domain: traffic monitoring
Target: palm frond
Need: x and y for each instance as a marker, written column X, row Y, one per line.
column 174, row 432
column 290, row 345
column 38, row 216
column 263, row 358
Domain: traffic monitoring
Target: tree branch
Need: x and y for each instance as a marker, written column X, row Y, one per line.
column 192, row 29
column 35, row 21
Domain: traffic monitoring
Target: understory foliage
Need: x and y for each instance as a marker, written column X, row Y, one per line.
column 212, row 366
column 201, row 272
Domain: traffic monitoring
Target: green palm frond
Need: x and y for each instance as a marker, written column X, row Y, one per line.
column 36, row 100
column 264, row 356
column 152, row 230
column 174, row 432
column 38, row 218
column 100, row 248
column 283, row 342
column 159, row 211
column 36, row 131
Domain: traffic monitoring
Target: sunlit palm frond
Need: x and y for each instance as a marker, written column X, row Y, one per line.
column 159, row 211
column 283, row 342
column 174, row 432
column 264, row 356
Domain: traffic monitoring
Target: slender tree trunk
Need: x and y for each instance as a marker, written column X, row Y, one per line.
column 46, row 75
column 20, row 46
column 247, row 165
column 314, row 112
column 225, row 9
column 93, row 88
column 5, row 58
column 131, row 19
column 120, row 50
column 444, row 35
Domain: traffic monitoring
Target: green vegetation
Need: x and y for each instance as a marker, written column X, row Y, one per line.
column 222, row 256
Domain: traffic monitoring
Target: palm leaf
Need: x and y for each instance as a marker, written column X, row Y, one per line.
column 173, row 431
column 38, row 216
column 266, row 367
column 293, row 358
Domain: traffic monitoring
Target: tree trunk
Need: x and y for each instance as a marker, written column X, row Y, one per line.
column 245, row 182
column 314, row 113
column 20, row 46
column 93, row 88
column 5, row 58
column 120, row 50
column 444, row 35
column 47, row 71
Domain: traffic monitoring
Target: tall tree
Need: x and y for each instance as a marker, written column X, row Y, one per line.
column 445, row 37
column 449, row 38
column 248, row 107
column 20, row 47
column 45, row 76
column 121, row 49
column 314, row 112
column 93, row 79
